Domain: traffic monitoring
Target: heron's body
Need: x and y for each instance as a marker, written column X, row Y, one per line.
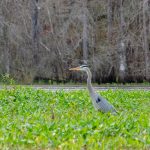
column 98, row 101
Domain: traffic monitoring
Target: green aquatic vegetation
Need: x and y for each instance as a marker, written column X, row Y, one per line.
column 38, row 119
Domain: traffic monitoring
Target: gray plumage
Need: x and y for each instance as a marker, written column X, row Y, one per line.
column 100, row 103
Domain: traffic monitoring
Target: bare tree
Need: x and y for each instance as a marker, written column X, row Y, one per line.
column 85, row 40
column 5, row 28
column 6, row 50
column 110, row 23
column 122, row 45
column 145, row 37
column 35, row 30
column 110, row 33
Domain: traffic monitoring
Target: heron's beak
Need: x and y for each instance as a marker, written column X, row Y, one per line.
column 76, row 69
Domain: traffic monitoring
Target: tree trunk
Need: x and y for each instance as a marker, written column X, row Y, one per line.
column 145, row 37
column 110, row 33
column 122, row 46
column 5, row 38
column 35, row 30
column 7, row 51
column 85, row 40
column 109, row 16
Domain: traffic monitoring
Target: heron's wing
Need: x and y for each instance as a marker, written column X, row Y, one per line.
column 98, row 99
column 103, row 105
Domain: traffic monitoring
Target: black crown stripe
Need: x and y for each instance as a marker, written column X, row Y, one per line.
column 84, row 65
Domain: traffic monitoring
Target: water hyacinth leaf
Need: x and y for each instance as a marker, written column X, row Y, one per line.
column 32, row 118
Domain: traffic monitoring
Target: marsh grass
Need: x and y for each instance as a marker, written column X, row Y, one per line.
column 38, row 119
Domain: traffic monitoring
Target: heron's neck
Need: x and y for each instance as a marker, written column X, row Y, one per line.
column 89, row 84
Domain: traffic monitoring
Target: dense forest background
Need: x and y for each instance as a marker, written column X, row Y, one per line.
column 42, row 39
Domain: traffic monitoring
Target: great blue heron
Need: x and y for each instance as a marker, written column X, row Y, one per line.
column 98, row 101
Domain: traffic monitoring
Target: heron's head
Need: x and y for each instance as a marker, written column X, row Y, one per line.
column 80, row 68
